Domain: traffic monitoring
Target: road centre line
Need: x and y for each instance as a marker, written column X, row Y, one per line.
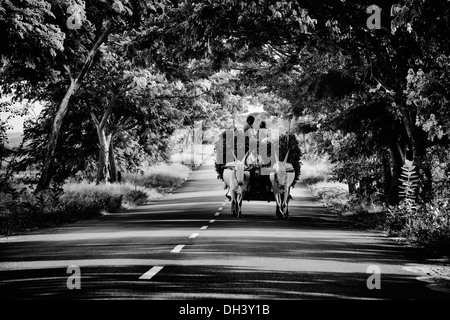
column 178, row 248
column 151, row 273
column 193, row 236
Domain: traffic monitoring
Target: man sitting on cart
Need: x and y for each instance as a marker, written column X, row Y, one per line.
column 249, row 124
column 254, row 162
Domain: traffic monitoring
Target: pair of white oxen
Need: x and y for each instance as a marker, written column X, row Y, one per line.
column 237, row 179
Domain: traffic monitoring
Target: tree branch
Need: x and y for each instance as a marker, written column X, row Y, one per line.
column 94, row 118
column 108, row 111
column 93, row 51
column 127, row 125
column 381, row 84
column 278, row 52
column 66, row 67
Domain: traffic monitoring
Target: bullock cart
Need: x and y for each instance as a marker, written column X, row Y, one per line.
column 263, row 178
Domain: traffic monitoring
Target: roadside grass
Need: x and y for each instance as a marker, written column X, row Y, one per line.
column 21, row 210
column 163, row 177
column 116, row 196
column 331, row 193
column 198, row 154
column 315, row 171
column 359, row 215
column 427, row 226
column 367, row 215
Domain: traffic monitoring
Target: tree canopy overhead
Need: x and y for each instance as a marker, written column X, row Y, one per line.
column 165, row 64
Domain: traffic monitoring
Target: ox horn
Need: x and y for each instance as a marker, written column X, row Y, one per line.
column 286, row 157
column 245, row 157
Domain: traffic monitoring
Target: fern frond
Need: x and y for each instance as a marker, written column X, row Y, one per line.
column 409, row 182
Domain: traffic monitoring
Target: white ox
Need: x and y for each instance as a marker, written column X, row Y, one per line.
column 237, row 180
column 281, row 181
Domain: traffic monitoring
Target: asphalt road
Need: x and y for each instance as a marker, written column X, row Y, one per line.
column 188, row 246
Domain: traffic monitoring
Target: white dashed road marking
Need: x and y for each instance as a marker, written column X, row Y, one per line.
column 212, row 221
column 217, row 214
column 204, row 228
column 194, row 235
column 178, row 248
column 220, row 208
column 151, row 273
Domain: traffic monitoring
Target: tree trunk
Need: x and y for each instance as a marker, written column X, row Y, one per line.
column 387, row 173
column 103, row 156
column 398, row 159
column 47, row 171
column 420, row 140
column 351, row 186
column 104, row 141
column 112, row 163
column 47, row 166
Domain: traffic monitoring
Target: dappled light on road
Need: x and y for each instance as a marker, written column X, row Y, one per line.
column 312, row 255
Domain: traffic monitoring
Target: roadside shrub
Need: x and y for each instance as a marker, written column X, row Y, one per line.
column 428, row 225
column 88, row 197
column 112, row 197
column 312, row 180
column 22, row 210
column 397, row 220
column 350, row 207
column 136, row 197
column 333, row 194
column 163, row 176
column 330, row 190
column 315, row 172
column 184, row 155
